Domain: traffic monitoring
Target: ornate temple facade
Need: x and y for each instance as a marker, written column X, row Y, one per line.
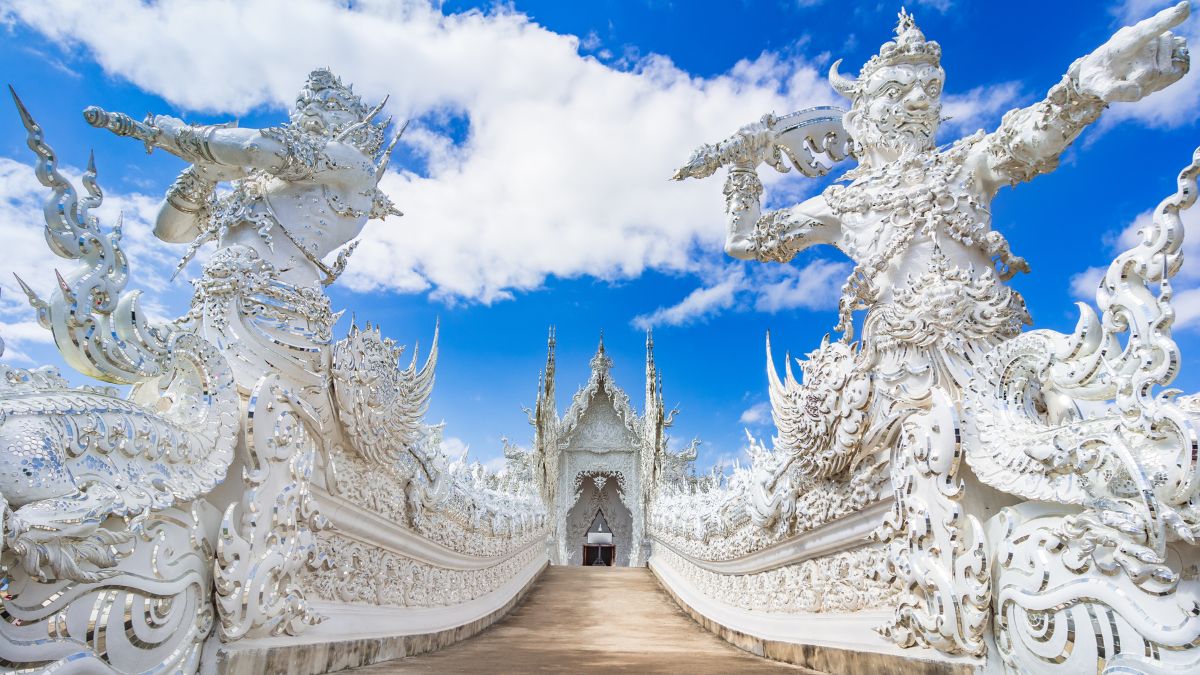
column 597, row 463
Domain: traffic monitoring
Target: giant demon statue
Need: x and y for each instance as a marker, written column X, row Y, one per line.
column 942, row 370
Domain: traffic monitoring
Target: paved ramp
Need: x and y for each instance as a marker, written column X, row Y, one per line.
column 590, row 620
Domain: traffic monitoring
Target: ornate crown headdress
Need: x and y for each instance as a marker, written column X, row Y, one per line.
column 909, row 46
column 322, row 80
column 364, row 133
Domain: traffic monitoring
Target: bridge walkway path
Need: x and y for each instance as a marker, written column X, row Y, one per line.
column 590, row 620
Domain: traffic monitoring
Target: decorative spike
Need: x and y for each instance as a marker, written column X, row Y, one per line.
column 387, row 153
column 63, row 286
column 34, row 299
column 772, row 374
column 375, row 111
column 26, row 118
column 345, row 133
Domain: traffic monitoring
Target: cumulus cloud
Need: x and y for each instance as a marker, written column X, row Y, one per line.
column 1085, row 283
column 816, row 285
column 759, row 413
column 564, row 167
column 453, row 446
column 764, row 288
column 979, row 108
column 699, row 304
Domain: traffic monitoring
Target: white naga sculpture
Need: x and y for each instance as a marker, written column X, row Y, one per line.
column 112, row 526
column 941, row 372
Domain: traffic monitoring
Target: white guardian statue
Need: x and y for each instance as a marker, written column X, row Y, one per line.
column 1079, row 425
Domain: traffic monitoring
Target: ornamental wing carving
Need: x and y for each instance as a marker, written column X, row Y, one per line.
column 381, row 405
column 822, row 419
column 1080, row 418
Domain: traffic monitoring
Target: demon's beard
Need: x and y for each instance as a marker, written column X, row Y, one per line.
column 897, row 133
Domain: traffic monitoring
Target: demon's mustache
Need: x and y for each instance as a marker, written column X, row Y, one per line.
column 902, row 120
column 901, row 129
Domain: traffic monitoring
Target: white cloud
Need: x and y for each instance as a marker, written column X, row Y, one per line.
column 817, row 285
column 564, row 167
column 699, row 304
column 453, row 446
column 564, row 170
column 496, row 464
column 978, row 108
column 942, row 6
column 765, row 288
column 1085, row 283
column 13, row 335
column 759, row 413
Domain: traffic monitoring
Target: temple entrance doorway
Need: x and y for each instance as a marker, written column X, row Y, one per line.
column 598, row 548
column 599, row 525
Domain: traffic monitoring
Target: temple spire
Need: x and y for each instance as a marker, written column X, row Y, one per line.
column 600, row 363
column 652, row 384
column 547, row 389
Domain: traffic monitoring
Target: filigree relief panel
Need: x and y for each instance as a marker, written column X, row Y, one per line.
column 842, row 582
column 366, row 574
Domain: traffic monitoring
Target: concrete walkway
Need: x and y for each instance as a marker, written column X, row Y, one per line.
column 590, row 620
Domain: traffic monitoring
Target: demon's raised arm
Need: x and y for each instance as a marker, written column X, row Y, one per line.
column 1135, row 62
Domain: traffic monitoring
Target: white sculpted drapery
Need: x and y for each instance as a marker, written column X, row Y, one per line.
column 942, row 378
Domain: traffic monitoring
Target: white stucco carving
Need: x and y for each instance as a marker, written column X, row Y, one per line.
column 941, row 379
column 109, row 501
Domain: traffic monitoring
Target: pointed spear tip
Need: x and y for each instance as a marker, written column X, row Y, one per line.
column 26, row 118
column 34, row 299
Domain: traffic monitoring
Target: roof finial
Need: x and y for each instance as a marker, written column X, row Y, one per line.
column 600, row 362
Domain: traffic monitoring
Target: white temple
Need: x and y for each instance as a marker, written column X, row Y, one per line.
column 601, row 459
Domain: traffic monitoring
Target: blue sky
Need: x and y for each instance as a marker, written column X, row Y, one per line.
column 534, row 175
